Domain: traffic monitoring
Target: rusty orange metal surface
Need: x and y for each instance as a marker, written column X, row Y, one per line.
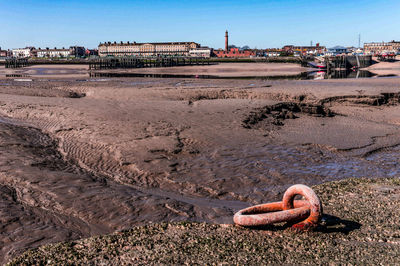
column 303, row 214
column 315, row 205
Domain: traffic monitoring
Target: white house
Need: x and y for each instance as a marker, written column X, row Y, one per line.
column 204, row 52
column 53, row 52
column 272, row 54
column 23, row 52
column 336, row 50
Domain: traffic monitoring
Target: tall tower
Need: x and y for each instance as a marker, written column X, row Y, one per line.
column 226, row 41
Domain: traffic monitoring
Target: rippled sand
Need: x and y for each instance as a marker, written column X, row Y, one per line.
column 87, row 157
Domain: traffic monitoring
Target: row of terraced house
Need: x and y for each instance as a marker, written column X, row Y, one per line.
column 73, row 51
column 378, row 48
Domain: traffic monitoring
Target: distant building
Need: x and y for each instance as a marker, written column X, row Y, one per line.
column 77, row 51
column 337, row 50
column 52, row 53
column 4, row 53
column 256, row 52
column 91, row 52
column 272, row 52
column 234, row 53
column 377, row 48
column 23, row 52
column 146, row 49
column 304, row 50
column 355, row 50
column 204, row 52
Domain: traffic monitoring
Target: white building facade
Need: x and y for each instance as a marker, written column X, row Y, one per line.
column 52, row 53
column 203, row 52
column 146, row 49
column 22, row 52
column 382, row 47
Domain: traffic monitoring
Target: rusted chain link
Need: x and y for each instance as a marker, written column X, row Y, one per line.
column 302, row 214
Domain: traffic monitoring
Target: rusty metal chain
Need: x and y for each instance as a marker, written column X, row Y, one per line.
column 301, row 214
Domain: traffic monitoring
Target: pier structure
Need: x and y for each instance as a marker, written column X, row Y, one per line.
column 347, row 61
column 16, row 62
column 133, row 62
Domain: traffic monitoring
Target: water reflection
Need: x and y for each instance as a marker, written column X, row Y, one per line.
column 300, row 76
column 16, row 76
column 310, row 75
column 340, row 74
column 315, row 75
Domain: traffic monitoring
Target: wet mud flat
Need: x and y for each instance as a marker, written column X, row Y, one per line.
column 83, row 158
column 45, row 71
column 47, row 199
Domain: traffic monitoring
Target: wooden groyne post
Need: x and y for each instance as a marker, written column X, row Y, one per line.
column 16, row 62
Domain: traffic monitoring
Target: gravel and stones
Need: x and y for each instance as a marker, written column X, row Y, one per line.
column 360, row 226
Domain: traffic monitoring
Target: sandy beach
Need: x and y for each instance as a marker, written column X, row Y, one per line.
column 85, row 156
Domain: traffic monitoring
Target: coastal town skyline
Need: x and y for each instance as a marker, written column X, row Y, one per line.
column 255, row 23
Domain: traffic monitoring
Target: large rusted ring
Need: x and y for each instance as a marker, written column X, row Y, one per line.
column 302, row 214
column 270, row 213
column 314, row 204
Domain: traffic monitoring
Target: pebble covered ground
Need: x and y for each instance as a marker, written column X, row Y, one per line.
column 361, row 225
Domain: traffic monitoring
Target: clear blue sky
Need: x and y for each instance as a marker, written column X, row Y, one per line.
column 257, row 23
